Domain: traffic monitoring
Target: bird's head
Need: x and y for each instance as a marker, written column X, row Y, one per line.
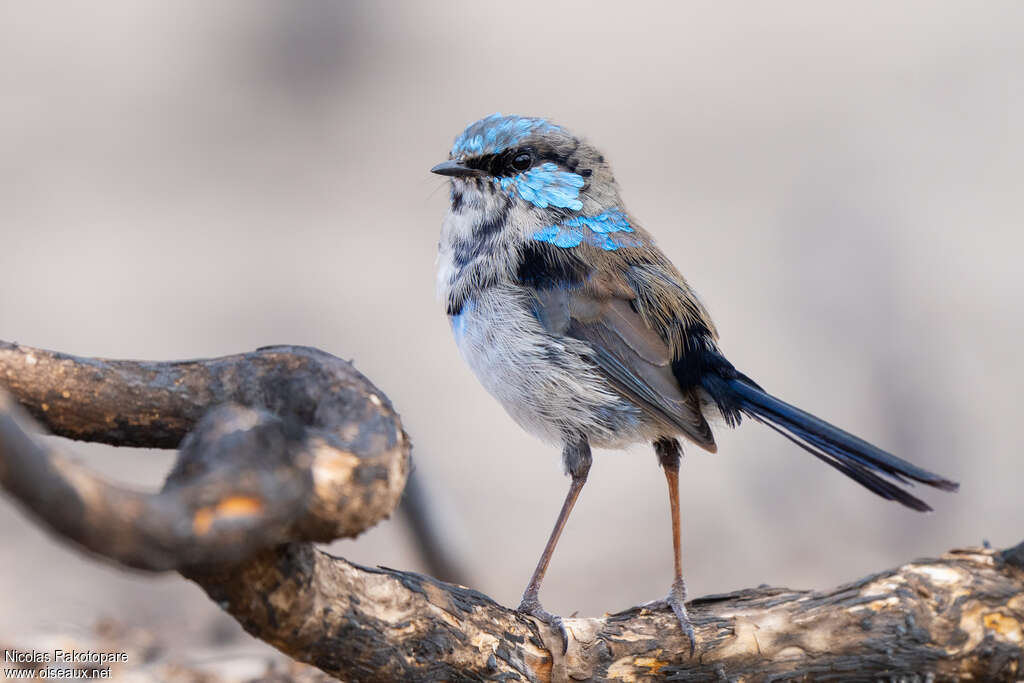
column 532, row 180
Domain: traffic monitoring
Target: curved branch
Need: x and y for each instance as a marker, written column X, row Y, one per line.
column 317, row 454
column 302, row 448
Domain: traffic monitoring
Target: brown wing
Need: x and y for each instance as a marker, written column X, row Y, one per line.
column 635, row 359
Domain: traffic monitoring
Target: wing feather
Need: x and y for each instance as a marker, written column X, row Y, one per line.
column 635, row 359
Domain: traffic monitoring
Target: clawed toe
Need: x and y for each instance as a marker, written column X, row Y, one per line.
column 684, row 623
column 676, row 602
column 533, row 609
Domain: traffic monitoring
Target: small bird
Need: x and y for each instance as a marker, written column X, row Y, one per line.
column 572, row 317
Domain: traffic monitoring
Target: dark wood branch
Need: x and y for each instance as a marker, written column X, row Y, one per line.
column 303, row 448
column 956, row 617
column 296, row 446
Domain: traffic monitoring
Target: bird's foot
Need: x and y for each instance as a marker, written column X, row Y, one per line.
column 676, row 601
column 530, row 606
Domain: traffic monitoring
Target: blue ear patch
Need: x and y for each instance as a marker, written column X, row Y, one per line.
column 496, row 133
column 609, row 231
column 545, row 186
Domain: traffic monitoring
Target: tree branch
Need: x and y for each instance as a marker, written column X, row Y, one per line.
column 956, row 617
column 296, row 447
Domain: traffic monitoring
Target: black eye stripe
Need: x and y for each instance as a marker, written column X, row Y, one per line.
column 503, row 164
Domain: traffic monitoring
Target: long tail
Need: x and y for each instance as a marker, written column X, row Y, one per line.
column 866, row 464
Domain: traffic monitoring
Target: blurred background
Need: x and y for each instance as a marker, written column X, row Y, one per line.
column 841, row 182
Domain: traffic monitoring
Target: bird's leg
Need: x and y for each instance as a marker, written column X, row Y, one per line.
column 669, row 454
column 577, row 460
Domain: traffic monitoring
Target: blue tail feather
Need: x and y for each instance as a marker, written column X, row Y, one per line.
column 856, row 458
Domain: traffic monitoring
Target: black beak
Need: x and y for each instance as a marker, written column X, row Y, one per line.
column 454, row 168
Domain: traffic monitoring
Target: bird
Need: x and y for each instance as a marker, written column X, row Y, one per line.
column 573, row 318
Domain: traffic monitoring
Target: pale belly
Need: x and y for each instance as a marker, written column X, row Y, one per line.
column 544, row 382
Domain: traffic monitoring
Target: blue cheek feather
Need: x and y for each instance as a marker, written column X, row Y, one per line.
column 609, row 231
column 546, row 186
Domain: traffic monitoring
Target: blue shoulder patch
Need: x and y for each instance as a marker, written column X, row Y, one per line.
column 609, row 231
column 495, row 133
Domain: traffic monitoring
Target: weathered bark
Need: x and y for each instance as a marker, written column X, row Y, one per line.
column 957, row 617
column 297, row 446
column 303, row 449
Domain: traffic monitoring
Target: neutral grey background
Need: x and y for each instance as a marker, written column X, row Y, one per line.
column 840, row 181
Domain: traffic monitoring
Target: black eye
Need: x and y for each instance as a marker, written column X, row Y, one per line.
column 522, row 161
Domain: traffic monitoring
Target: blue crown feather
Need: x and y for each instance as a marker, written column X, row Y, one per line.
column 497, row 133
